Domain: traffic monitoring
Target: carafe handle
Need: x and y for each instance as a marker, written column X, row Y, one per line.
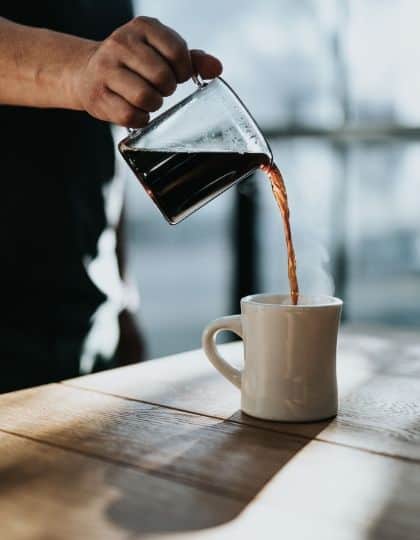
column 198, row 80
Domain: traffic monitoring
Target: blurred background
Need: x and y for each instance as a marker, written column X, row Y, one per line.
column 334, row 84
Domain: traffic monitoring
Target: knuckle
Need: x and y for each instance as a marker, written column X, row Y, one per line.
column 103, row 62
column 97, row 93
column 179, row 51
column 139, row 98
column 164, row 80
column 127, row 117
column 114, row 45
column 154, row 102
column 115, row 39
column 161, row 77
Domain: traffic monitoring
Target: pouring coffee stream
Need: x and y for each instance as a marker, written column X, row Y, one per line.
column 280, row 194
column 199, row 148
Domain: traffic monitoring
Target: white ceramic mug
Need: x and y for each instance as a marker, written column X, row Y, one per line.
column 289, row 369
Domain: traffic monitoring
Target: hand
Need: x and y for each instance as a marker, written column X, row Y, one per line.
column 126, row 77
column 131, row 347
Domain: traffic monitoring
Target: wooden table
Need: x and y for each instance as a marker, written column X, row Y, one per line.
column 160, row 450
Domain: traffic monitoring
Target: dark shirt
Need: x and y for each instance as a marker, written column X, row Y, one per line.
column 55, row 165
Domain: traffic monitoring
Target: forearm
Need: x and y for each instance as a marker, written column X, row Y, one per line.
column 36, row 66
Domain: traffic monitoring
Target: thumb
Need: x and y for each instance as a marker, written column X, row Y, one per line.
column 205, row 65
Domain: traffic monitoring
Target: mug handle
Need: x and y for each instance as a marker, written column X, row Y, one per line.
column 233, row 324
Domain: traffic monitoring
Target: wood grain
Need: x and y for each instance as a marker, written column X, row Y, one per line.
column 379, row 385
column 218, row 456
column 186, row 381
column 86, row 464
column 325, row 491
column 50, row 493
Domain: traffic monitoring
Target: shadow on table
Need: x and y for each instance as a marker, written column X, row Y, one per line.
column 243, row 455
column 155, row 469
column 399, row 515
column 226, row 466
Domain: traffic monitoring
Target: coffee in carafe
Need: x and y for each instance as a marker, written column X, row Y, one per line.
column 181, row 182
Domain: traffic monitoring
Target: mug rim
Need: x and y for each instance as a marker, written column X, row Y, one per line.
column 325, row 301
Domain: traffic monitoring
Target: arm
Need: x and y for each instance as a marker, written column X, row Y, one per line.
column 121, row 79
column 36, row 65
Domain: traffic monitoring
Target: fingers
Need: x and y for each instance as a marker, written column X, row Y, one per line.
column 148, row 64
column 160, row 55
column 206, row 65
column 135, row 90
column 127, row 75
column 123, row 113
column 168, row 43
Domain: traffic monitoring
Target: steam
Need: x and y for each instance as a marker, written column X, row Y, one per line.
column 314, row 268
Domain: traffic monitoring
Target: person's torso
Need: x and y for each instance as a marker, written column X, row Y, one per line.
column 54, row 167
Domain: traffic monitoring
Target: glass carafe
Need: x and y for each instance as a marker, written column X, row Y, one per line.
column 194, row 151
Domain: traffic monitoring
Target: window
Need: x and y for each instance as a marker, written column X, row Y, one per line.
column 334, row 84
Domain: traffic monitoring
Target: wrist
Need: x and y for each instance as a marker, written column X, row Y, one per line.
column 73, row 72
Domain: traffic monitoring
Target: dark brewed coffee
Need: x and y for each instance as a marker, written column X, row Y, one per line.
column 180, row 182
